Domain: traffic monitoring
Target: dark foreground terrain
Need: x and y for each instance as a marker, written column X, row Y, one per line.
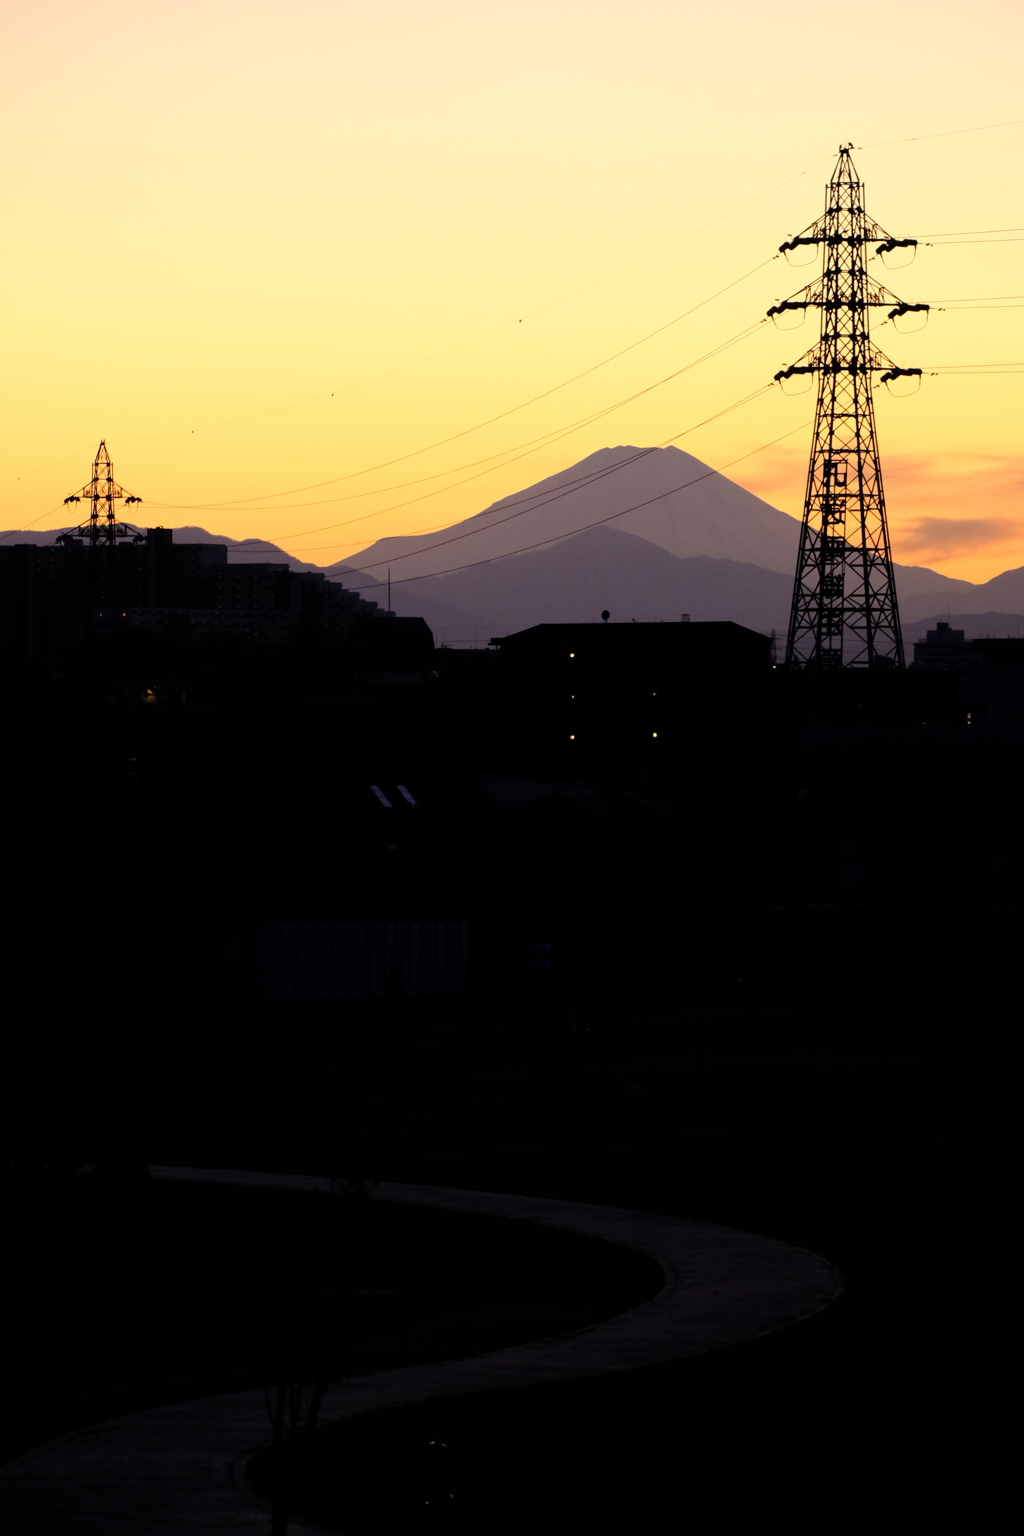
column 767, row 977
column 884, row 1142
column 861, row 1418
column 131, row 1293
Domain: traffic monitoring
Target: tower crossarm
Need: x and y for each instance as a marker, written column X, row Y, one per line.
column 871, row 359
column 869, row 294
column 823, row 232
column 867, row 231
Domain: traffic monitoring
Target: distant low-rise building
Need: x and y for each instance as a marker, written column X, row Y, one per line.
column 51, row 596
column 944, row 647
column 630, row 686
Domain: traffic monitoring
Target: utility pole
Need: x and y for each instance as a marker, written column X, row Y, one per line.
column 844, row 611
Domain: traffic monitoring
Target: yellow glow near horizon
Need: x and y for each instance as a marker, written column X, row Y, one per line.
column 263, row 247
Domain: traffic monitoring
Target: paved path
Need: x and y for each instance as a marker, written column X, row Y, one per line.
column 178, row 1470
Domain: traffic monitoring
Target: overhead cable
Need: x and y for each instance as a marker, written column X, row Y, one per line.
column 947, row 133
column 239, row 501
column 555, row 493
column 598, row 415
column 1015, row 229
column 546, row 441
column 998, row 240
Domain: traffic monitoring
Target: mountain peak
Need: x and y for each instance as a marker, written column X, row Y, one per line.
column 663, row 495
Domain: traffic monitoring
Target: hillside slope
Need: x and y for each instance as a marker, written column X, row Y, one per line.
column 574, row 580
column 681, row 505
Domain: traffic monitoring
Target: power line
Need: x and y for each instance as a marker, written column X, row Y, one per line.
column 547, row 440
column 380, row 490
column 606, row 411
column 546, row 498
column 456, row 346
column 38, row 471
column 529, row 496
column 239, row 501
column 941, row 234
column 1001, row 240
column 482, row 336
column 12, row 531
column 576, row 292
column 947, row 133
column 591, row 477
column 506, row 325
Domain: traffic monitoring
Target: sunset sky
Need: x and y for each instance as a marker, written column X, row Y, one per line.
column 274, row 251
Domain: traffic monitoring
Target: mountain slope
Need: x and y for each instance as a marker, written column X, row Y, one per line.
column 574, row 580
column 688, row 540
column 1003, row 592
column 692, row 510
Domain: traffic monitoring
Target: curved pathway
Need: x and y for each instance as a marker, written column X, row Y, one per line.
column 179, row 1469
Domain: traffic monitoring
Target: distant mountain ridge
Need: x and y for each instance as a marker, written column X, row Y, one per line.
column 644, row 533
column 662, row 495
column 713, row 549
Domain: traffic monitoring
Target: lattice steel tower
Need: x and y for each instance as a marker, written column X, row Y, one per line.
column 103, row 528
column 844, row 597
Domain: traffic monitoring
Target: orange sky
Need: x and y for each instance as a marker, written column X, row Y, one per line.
column 262, row 247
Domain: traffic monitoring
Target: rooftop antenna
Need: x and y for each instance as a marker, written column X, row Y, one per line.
column 103, row 527
column 844, row 611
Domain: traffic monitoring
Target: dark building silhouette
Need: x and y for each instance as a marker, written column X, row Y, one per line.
column 987, row 678
column 387, row 650
column 993, row 690
column 629, row 686
column 319, row 961
column 944, row 647
column 53, row 596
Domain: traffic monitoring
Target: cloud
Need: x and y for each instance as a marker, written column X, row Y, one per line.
column 963, row 514
column 966, row 511
column 947, row 536
column 777, row 475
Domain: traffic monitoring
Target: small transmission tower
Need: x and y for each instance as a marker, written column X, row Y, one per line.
column 103, row 528
column 844, row 597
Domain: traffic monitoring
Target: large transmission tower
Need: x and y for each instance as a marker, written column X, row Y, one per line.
column 103, row 528
column 844, row 597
